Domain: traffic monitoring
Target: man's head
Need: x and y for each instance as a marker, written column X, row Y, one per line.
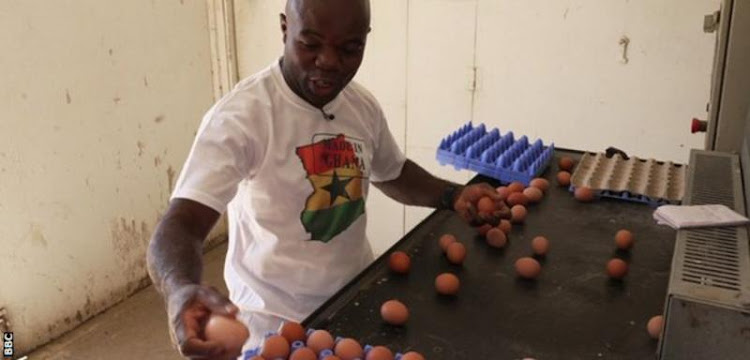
column 324, row 41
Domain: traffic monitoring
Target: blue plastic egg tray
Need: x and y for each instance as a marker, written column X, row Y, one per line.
column 494, row 154
column 249, row 354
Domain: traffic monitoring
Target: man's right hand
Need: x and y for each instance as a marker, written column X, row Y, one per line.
column 189, row 308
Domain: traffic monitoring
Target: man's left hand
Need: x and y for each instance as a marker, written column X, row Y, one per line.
column 466, row 205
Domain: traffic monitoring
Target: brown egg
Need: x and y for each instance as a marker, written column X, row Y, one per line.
column 412, row 355
column 257, row 357
column 518, row 214
column 503, row 192
column 292, row 331
column 540, row 245
column 399, row 262
column 348, row 349
column 486, row 205
column 331, row 357
column 231, row 333
column 379, row 353
column 533, row 194
column 496, row 238
column 447, row 284
column 563, row 178
column 446, row 240
column 624, row 239
column 456, row 253
column 617, row 269
column 274, row 347
column 394, row 312
column 540, row 183
column 584, row 194
column 484, row 229
column 566, row 163
column 505, row 226
column 320, row 340
column 303, row 353
column 517, row 198
column 528, row 268
column 655, row 326
column 516, row 186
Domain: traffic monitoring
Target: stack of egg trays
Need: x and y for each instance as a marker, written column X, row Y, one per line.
column 248, row 354
column 640, row 180
column 493, row 154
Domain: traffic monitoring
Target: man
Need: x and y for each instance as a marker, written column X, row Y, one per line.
column 290, row 154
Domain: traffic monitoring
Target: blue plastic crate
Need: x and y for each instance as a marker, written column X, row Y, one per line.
column 249, row 354
column 494, row 154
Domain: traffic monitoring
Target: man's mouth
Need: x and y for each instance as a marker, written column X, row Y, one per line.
column 322, row 86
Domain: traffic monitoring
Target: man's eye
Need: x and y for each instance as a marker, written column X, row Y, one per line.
column 353, row 48
column 309, row 45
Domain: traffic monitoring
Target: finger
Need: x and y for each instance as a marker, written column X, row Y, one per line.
column 216, row 302
column 473, row 216
column 502, row 213
column 490, row 191
column 196, row 348
column 475, row 192
column 491, row 219
column 190, row 323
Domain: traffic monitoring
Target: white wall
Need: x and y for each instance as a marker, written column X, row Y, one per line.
column 545, row 68
column 99, row 101
column 555, row 70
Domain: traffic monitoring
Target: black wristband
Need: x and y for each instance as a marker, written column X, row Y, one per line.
column 446, row 200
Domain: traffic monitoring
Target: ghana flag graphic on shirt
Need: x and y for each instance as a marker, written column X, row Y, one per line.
column 335, row 170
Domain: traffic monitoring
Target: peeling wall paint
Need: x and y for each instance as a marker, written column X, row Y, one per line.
column 96, row 119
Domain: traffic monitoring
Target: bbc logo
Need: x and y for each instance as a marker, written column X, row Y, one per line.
column 7, row 344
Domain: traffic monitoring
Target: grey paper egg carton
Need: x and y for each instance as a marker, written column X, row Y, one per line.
column 642, row 180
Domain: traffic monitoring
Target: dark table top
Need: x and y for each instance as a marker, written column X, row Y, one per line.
column 572, row 311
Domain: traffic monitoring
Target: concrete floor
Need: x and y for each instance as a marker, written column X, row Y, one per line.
column 133, row 329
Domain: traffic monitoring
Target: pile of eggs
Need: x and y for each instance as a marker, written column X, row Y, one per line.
column 293, row 342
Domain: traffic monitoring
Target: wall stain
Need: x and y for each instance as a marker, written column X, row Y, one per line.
column 129, row 238
column 145, row 81
column 88, row 307
column 130, row 241
column 116, row 99
column 157, row 161
column 170, row 178
column 68, row 99
column 110, row 52
column 37, row 237
column 24, row 96
column 159, row 119
column 141, row 146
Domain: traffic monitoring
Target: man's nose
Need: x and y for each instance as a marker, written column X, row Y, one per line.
column 328, row 59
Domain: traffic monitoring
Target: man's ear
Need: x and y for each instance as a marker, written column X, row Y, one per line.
column 282, row 22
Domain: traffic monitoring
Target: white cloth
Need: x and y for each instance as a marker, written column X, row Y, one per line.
column 278, row 160
column 678, row 217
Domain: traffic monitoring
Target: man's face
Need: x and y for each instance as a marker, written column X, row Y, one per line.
column 324, row 41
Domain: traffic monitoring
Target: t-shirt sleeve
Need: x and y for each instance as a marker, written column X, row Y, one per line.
column 387, row 159
column 223, row 154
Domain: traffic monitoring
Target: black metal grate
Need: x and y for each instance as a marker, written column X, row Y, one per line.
column 711, row 255
column 712, row 184
column 711, row 258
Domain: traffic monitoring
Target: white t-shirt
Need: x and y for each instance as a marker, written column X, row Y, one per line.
column 294, row 185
